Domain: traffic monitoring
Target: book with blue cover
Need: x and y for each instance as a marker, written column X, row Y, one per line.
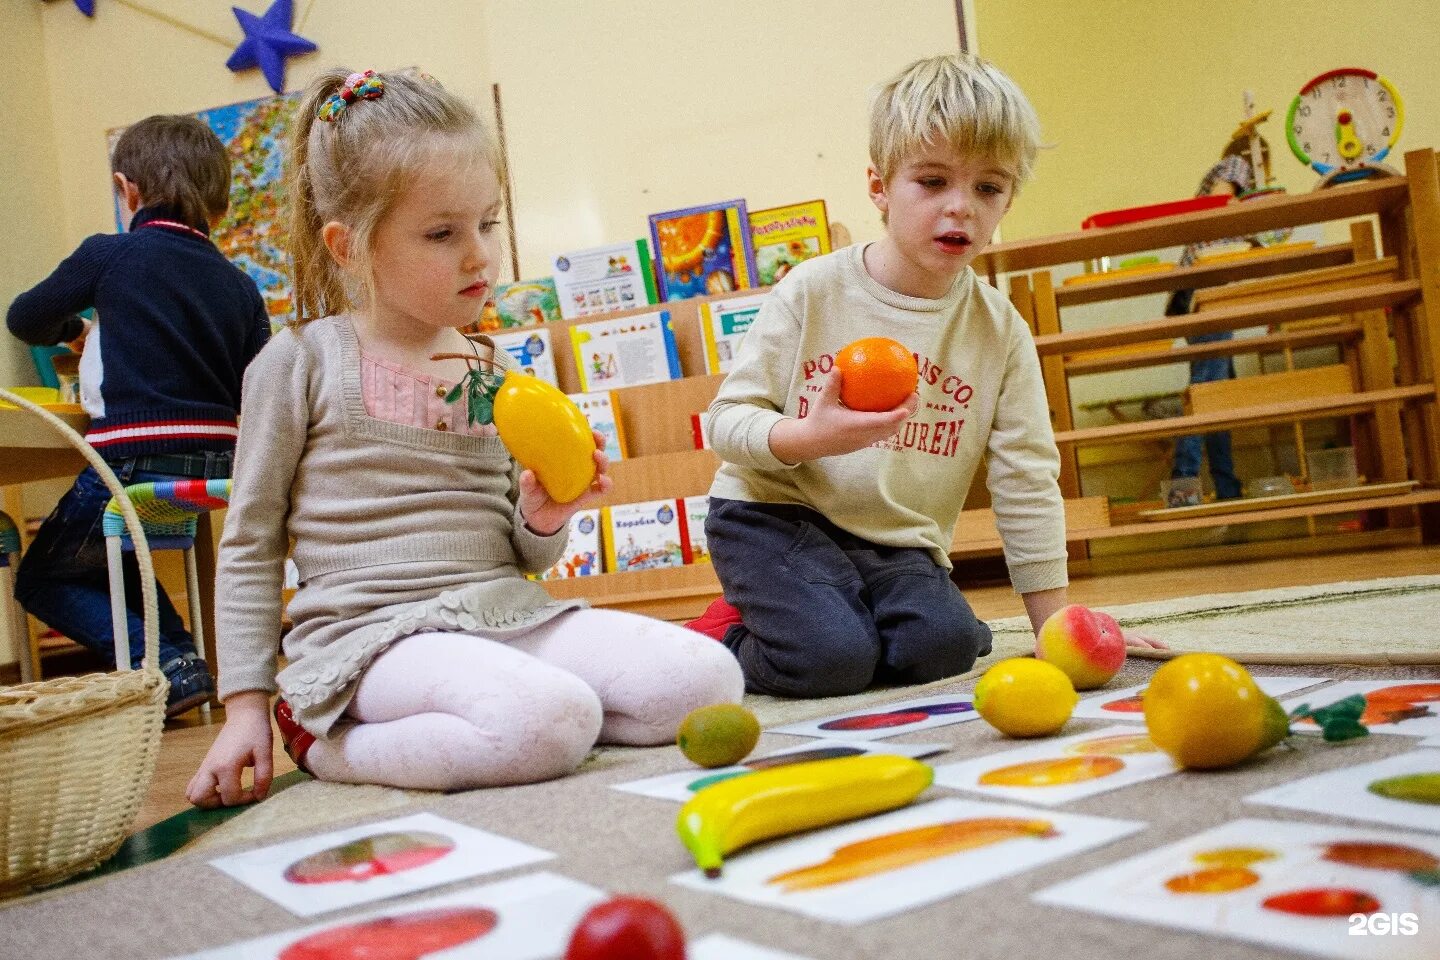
column 703, row 250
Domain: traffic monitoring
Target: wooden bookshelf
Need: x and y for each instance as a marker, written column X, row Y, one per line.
column 1379, row 307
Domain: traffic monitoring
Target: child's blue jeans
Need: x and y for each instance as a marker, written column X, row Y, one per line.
column 1217, row 445
column 63, row 578
column 828, row 613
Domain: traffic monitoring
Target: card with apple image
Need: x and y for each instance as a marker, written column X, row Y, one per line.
column 1391, row 706
column 1403, row 791
column 879, row 866
column 376, row 861
column 682, row 785
column 1320, row 890
column 1059, row 770
column 876, row 723
column 1127, row 704
column 717, row 946
column 524, row 918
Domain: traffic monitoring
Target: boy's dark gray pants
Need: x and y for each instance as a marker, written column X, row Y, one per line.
column 827, row 613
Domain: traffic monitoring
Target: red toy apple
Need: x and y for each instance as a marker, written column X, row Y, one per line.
column 627, row 928
column 1087, row 644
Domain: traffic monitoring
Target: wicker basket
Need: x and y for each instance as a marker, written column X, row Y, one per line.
column 77, row 753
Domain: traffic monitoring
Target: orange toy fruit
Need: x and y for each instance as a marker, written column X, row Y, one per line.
column 876, row 374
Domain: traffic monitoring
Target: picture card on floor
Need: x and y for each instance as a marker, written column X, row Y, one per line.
column 1355, row 894
column 1396, row 706
column 904, row 859
column 888, row 720
column 1064, row 769
column 1402, row 790
column 312, row 875
column 1125, row 704
column 718, row 946
column 525, row 918
column 681, row 786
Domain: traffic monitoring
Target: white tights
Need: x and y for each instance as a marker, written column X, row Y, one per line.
column 452, row 711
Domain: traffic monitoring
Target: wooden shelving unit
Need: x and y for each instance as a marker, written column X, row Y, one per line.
column 1376, row 304
column 1380, row 307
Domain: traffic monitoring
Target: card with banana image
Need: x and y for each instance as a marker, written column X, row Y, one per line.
column 876, row 867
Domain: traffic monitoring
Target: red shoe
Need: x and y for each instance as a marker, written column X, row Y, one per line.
column 296, row 740
column 716, row 619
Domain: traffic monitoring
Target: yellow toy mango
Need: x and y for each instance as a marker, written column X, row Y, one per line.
column 545, row 432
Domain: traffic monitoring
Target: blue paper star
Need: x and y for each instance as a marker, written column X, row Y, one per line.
column 268, row 42
column 87, row 7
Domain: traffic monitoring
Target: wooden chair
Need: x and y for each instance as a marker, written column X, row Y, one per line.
column 168, row 514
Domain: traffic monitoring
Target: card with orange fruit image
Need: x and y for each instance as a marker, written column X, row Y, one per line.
column 1316, row 890
column 1128, row 703
column 392, row 858
column 1394, row 706
column 1403, row 791
column 873, row 868
column 523, row 918
column 1055, row 771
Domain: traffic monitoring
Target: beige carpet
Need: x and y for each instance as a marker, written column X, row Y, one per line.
column 625, row 843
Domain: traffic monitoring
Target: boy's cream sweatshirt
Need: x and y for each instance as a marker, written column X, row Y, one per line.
column 980, row 390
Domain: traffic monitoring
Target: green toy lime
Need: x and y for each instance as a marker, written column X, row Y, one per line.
column 718, row 735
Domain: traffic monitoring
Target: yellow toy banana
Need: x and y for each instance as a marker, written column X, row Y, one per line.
column 735, row 813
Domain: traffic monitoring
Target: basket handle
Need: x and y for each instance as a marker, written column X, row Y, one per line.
column 132, row 522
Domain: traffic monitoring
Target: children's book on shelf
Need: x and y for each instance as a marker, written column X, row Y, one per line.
column 531, row 350
column 626, row 351
column 583, row 554
column 602, row 409
column 527, row 303
column 699, row 432
column 644, row 536
column 703, row 250
column 785, row 236
column 618, row 276
column 696, row 510
column 723, row 324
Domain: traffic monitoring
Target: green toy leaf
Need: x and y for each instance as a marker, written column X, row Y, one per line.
column 1339, row 721
column 479, row 388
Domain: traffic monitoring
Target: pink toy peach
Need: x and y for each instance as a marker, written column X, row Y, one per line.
column 1086, row 644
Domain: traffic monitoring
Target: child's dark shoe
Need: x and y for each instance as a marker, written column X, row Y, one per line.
column 190, row 684
column 294, row 738
column 717, row 618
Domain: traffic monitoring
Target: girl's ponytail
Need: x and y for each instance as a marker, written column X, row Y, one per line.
column 319, row 286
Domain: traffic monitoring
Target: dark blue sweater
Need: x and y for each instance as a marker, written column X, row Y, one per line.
column 177, row 324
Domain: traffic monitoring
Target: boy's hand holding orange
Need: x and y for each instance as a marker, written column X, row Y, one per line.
column 866, row 399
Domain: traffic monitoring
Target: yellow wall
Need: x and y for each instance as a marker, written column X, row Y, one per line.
column 614, row 111
column 30, row 227
column 1138, row 98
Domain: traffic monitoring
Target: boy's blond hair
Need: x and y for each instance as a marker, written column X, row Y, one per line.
column 957, row 99
column 354, row 167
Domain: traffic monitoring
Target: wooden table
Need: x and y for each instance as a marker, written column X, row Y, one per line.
column 32, row 450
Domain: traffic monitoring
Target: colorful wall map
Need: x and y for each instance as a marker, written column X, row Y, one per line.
column 253, row 233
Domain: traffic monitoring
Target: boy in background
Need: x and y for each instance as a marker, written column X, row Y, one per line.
column 830, row 528
column 160, row 377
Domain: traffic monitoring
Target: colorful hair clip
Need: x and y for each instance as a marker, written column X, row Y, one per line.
column 357, row 86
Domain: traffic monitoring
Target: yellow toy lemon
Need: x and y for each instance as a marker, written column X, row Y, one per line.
column 1023, row 697
column 1206, row 711
column 718, row 735
column 545, row 431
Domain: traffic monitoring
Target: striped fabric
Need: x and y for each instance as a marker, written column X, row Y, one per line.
column 167, row 510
